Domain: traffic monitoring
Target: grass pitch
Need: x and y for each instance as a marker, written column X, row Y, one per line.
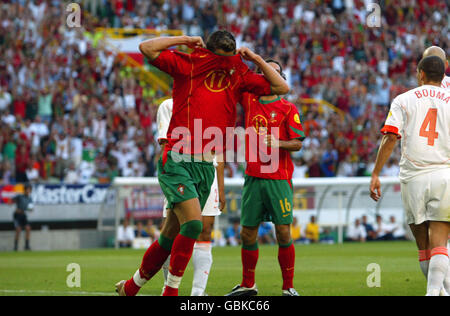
column 321, row 270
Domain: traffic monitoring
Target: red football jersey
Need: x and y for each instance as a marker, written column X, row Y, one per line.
column 279, row 118
column 206, row 87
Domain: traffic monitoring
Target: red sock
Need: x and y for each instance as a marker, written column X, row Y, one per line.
column 249, row 259
column 170, row 291
column 153, row 259
column 286, row 258
column 181, row 254
column 131, row 289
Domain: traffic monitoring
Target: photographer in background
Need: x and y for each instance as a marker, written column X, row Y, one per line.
column 23, row 204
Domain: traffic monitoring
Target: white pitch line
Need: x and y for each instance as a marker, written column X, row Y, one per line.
column 61, row 292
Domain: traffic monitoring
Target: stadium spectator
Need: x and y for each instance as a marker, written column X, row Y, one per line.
column 57, row 78
column 266, row 233
column 233, row 233
column 312, row 230
column 125, row 234
column 140, row 232
column 296, row 231
column 152, row 230
column 356, row 232
column 383, row 231
column 396, row 229
column 370, row 232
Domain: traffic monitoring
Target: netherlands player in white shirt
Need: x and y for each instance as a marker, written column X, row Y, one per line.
column 421, row 118
column 202, row 255
column 439, row 52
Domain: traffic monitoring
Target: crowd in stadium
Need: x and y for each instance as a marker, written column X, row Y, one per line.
column 72, row 110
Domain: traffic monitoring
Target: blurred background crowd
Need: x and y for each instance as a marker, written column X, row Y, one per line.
column 72, row 110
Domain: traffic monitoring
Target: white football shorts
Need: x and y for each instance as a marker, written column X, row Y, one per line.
column 427, row 197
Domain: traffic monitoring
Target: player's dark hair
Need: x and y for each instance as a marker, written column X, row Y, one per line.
column 433, row 67
column 270, row 60
column 223, row 40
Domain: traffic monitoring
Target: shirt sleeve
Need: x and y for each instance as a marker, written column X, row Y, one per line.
column 395, row 120
column 294, row 125
column 256, row 84
column 173, row 62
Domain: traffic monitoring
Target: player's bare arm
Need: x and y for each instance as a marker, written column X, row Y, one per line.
column 387, row 145
column 289, row 145
column 152, row 47
column 278, row 84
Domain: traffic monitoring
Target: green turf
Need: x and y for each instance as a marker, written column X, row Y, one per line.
column 320, row 270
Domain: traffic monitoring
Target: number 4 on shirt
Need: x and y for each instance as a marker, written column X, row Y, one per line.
column 430, row 122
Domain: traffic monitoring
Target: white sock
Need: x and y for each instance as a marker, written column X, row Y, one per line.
column 173, row 281
column 165, row 268
column 447, row 277
column 437, row 270
column 202, row 260
column 138, row 280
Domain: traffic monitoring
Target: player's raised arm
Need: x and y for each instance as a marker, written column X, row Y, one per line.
column 153, row 47
column 387, row 145
column 278, row 85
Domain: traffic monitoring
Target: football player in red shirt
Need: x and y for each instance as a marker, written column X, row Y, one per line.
column 208, row 83
column 267, row 193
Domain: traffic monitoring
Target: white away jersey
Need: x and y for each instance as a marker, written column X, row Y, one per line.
column 421, row 118
column 163, row 118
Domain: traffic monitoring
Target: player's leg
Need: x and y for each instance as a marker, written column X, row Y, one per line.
column 17, row 237
column 249, row 259
column 20, row 224
column 279, row 202
column 286, row 258
column 153, row 259
column 438, row 213
column 414, row 196
column 447, row 277
column 438, row 232
column 252, row 214
column 420, row 233
column 202, row 257
column 27, row 236
column 190, row 219
column 249, row 255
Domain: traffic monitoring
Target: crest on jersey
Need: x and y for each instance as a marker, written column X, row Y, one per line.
column 273, row 116
column 259, row 123
column 181, row 189
column 296, row 118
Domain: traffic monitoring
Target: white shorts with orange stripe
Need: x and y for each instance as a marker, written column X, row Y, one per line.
column 211, row 207
column 427, row 197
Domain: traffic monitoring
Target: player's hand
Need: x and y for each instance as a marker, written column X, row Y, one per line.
column 375, row 185
column 247, row 54
column 194, row 42
column 271, row 141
